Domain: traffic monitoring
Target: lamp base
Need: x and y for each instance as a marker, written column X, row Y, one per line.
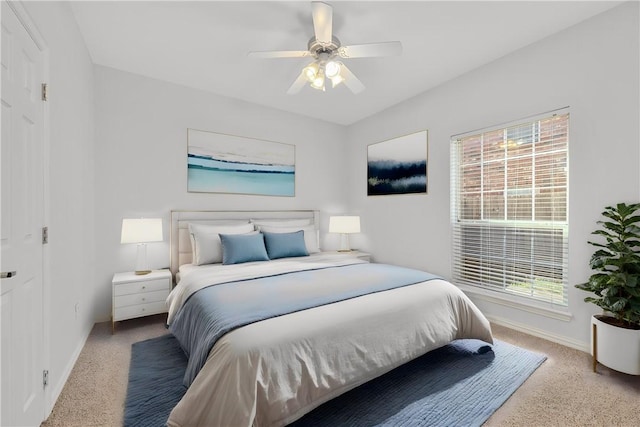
column 344, row 243
column 141, row 261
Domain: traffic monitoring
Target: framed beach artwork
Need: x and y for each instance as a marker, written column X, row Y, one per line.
column 398, row 166
column 219, row 163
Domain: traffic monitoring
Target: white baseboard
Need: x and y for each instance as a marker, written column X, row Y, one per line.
column 55, row 391
column 528, row 329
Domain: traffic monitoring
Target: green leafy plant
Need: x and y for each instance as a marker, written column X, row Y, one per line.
column 616, row 284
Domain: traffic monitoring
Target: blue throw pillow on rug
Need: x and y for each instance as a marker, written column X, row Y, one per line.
column 285, row 245
column 239, row 248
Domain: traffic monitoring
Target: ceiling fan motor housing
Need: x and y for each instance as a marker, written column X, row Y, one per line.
column 322, row 50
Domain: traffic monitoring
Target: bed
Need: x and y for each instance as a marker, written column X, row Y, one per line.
column 270, row 340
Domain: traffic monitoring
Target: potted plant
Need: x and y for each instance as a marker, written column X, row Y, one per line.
column 616, row 288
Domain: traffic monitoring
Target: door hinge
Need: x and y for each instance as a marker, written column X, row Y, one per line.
column 45, row 235
column 45, row 95
column 45, row 378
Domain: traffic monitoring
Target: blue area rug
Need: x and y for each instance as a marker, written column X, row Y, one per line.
column 460, row 384
column 155, row 381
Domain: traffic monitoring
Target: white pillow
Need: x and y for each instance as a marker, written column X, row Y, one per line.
column 282, row 222
column 310, row 235
column 205, row 241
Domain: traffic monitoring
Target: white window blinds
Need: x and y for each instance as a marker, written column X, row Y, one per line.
column 509, row 208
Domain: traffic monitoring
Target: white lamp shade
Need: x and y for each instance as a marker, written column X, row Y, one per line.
column 344, row 224
column 141, row 230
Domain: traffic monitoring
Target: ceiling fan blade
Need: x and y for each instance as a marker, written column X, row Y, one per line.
column 322, row 21
column 298, row 84
column 279, row 54
column 350, row 80
column 370, row 50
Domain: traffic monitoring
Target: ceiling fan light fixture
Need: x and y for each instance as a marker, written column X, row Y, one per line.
column 318, row 82
column 335, row 81
column 332, row 69
column 311, row 71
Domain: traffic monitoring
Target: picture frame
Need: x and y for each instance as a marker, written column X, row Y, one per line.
column 221, row 163
column 398, row 165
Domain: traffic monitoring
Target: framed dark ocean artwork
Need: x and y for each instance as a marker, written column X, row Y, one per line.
column 398, row 166
column 219, row 163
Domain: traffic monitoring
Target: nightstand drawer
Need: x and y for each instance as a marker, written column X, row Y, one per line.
column 132, row 311
column 141, row 286
column 141, row 298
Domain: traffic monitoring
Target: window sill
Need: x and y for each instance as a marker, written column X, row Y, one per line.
column 523, row 304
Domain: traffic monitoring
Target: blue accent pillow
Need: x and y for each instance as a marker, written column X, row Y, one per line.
column 239, row 248
column 285, row 245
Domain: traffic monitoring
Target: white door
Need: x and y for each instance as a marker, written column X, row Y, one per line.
column 21, row 221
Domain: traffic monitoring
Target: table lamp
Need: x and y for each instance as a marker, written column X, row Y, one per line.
column 141, row 231
column 344, row 225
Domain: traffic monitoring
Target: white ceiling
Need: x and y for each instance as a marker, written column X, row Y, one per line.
column 204, row 45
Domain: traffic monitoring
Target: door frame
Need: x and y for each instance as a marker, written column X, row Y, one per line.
column 31, row 28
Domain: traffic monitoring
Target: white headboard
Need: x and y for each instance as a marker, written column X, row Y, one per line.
column 180, row 241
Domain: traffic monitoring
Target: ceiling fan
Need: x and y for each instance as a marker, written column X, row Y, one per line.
column 326, row 51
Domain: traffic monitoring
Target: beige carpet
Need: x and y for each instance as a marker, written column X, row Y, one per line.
column 562, row 392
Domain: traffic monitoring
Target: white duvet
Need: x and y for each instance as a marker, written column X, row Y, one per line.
column 272, row 372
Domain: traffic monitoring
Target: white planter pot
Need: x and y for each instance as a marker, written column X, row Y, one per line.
column 617, row 348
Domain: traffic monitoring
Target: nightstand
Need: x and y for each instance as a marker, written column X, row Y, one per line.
column 356, row 254
column 139, row 295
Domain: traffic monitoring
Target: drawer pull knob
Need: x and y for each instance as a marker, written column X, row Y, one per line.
column 143, row 309
column 144, row 287
column 144, row 299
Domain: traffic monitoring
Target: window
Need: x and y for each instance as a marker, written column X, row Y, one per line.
column 509, row 208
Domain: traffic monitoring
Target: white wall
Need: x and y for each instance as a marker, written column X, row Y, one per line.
column 591, row 67
column 71, row 183
column 140, row 168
